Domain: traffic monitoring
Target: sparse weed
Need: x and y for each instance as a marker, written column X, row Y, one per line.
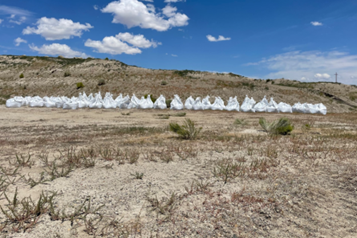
column 187, row 131
column 22, row 161
column 240, row 122
column 226, row 169
column 281, row 127
column 137, row 175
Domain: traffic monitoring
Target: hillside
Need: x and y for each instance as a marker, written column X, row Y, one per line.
column 48, row 76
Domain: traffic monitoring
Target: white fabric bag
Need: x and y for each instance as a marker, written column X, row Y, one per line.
column 176, row 103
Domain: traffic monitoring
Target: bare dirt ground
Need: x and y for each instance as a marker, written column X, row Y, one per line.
column 122, row 173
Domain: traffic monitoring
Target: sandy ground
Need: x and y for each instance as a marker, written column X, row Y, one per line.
column 299, row 185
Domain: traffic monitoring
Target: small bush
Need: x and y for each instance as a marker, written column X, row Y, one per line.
column 21, row 75
column 67, row 74
column 101, row 82
column 163, row 83
column 168, row 103
column 187, row 131
column 266, row 88
column 106, row 58
column 153, row 99
column 281, row 127
column 80, row 85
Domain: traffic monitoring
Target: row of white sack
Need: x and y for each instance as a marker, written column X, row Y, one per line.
column 96, row 101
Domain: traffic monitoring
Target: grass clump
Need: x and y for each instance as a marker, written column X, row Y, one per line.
column 283, row 126
column 187, row 131
column 179, row 114
column 80, row 85
column 67, row 74
column 21, row 76
column 163, row 83
column 240, row 122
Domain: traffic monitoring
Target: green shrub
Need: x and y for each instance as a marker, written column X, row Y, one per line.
column 67, row 74
column 281, row 127
column 106, row 58
column 80, row 85
column 163, row 83
column 153, row 99
column 266, row 88
column 101, row 82
column 21, row 75
column 168, row 103
column 187, row 131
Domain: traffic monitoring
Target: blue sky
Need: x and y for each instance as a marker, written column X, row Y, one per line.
column 297, row 39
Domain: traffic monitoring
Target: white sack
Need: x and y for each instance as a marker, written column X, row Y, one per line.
column 197, row 105
column 233, row 104
column 176, row 103
column 189, row 103
column 206, row 104
column 284, row 107
column 218, row 104
column 160, row 103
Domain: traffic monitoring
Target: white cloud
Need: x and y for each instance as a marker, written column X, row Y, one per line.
column 18, row 41
column 112, row 45
column 312, row 65
column 119, row 44
column 316, row 23
column 13, row 11
column 175, row 1
column 1, row 20
column 19, row 21
column 173, row 55
column 220, row 38
column 134, row 13
column 95, row 7
column 148, row 0
column 169, row 11
column 137, row 40
column 151, row 8
column 53, row 29
column 58, row 49
column 322, row 76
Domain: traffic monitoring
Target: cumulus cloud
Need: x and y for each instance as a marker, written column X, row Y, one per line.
column 58, row 49
column 316, row 23
column 137, row 40
column 220, row 38
column 322, row 76
column 134, row 13
column 53, row 29
column 169, row 11
column 119, row 44
column 1, row 20
column 18, row 41
column 312, row 65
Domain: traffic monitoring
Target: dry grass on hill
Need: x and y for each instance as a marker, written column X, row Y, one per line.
column 46, row 76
